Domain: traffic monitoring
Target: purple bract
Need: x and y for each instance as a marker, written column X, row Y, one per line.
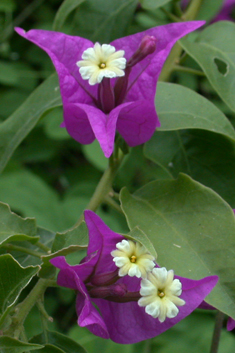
column 132, row 112
column 96, row 281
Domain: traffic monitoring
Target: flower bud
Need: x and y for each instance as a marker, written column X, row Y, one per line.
column 147, row 47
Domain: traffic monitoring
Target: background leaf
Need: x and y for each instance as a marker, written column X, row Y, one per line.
column 66, row 344
column 22, row 121
column 65, row 9
column 192, row 230
column 13, row 279
column 11, row 345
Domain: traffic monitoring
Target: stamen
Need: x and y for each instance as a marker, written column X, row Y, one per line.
column 102, row 65
column 133, row 258
column 161, row 294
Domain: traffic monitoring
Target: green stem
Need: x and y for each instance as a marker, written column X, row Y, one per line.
column 171, row 16
column 217, row 331
column 192, row 10
column 24, row 307
column 188, row 70
column 11, row 247
column 103, row 188
column 175, row 53
column 109, row 200
column 43, row 247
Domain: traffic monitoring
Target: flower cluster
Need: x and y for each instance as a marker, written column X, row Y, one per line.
column 131, row 309
column 105, row 87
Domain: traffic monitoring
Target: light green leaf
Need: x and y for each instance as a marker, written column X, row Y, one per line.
column 64, row 11
column 153, row 4
column 66, row 344
column 11, row 345
column 13, row 279
column 15, row 228
column 214, row 51
column 22, row 121
column 192, row 230
column 179, row 107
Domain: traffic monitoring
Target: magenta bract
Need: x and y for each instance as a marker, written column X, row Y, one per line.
column 95, row 280
column 134, row 117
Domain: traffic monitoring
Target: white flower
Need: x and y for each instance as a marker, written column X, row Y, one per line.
column 160, row 294
column 101, row 61
column 133, row 259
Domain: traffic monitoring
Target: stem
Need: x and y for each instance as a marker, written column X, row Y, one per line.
column 192, row 10
column 217, row 331
column 24, row 307
column 109, row 200
column 171, row 16
column 103, row 188
column 175, row 53
column 188, row 70
column 43, row 247
column 10, row 247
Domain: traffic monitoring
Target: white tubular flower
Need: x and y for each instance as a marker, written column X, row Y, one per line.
column 160, row 294
column 132, row 259
column 101, row 61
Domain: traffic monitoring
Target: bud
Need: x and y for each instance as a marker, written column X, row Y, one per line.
column 115, row 290
column 105, row 278
column 147, row 47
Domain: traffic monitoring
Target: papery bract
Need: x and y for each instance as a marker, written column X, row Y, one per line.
column 134, row 117
column 95, row 280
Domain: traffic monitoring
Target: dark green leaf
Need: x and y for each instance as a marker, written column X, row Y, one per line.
column 11, row 345
column 23, row 120
column 104, row 21
column 67, row 345
column 15, row 228
column 179, row 107
column 216, row 56
column 153, row 4
column 13, row 279
column 207, row 157
column 64, row 10
column 192, row 230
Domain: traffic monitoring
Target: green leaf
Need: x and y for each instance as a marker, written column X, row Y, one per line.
column 23, row 120
column 192, row 230
column 179, row 107
column 207, row 157
column 13, row 279
column 15, row 228
column 7, row 5
column 49, row 348
column 153, row 4
column 64, row 244
column 11, row 345
column 137, row 234
column 64, row 11
column 216, row 56
column 99, row 20
column 67, row 345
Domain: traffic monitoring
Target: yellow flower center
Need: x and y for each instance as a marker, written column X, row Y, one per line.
column 133, row 259
column 102, row 65
column 161, row 294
